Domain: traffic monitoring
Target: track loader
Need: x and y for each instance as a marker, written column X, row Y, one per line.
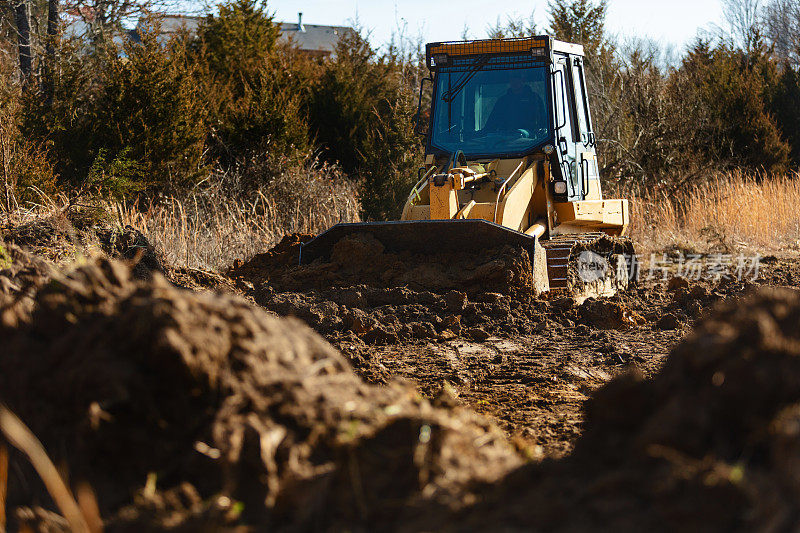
column 510, row 160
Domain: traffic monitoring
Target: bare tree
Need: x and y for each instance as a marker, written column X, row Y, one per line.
column 465, row 35
column 50, row 50
column 515, row 26
column 743, row 18
column 104, row 17
column 24, row 39
column 782, row 24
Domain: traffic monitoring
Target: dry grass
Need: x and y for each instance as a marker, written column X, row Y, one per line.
column 734, row 212
column 210, row 230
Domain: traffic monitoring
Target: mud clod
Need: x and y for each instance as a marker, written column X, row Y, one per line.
column 455, row 301
column 477, row 334
column 131, row 245
column 609, row 314
column 668, row 321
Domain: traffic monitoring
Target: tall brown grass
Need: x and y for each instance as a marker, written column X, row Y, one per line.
column 733, row 212
column 208, row 230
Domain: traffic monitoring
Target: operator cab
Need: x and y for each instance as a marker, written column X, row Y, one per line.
column 512, row 98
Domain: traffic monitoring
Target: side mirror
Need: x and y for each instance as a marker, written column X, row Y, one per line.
column 422, row 122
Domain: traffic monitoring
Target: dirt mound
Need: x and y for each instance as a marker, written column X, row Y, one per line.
column 131, row 245
column 201, row 280
column 56, row 239
column 20, row 276
column 380, row 316
column 362, row 260
column 208, row 408
column 385, row 298
column 711, row 443
column 261, row 268
column 40, row 232
column 389, row 315
column 779, row 271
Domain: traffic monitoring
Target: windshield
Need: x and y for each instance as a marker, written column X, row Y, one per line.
column 490, row 106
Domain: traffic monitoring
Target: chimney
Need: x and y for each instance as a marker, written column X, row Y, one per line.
column 300, row 26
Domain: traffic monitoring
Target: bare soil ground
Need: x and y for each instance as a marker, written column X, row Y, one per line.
column 528, row 362
column 430, row 406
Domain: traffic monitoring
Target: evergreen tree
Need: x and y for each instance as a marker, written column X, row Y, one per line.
column 151, row 121
column 239, row 40
column 785, row 107
column 254, row 101
column 738, row 128
column 579, row 21
column 362, row 115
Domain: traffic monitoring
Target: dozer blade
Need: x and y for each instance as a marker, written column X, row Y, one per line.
column 470, row 254
column 438, row 254
column 424, row 237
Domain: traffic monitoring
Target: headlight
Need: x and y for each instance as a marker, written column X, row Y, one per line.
column 560, row 187
column 548, row 149
column 440, row 59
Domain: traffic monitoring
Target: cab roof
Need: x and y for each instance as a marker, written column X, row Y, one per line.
column 540, row 45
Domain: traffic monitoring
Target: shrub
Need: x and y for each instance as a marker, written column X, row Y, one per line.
column 65, row 126
column 345, row 99
column 362, row 110
column 254, row 101
column 739, row 129
column 785, row 107
column 151, row 113
column 209, row 228
column 25, row 173
column 142, row 106
column 391, row 155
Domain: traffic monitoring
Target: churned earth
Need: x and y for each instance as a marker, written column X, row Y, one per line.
column 528, row 362
column 417, row 396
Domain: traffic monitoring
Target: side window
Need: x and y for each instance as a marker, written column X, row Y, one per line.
column 581, row 108
column 565, row 124
column 560, row 91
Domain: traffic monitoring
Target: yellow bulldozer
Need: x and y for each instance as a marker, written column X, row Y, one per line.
column 510, row 160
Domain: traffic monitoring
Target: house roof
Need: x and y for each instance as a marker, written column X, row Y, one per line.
column 173, row 23
column 313, row 37
column 307, row 37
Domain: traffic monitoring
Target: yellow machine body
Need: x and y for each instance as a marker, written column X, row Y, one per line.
column 516, row 195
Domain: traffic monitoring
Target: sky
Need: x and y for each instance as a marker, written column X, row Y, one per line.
column 671, row 22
